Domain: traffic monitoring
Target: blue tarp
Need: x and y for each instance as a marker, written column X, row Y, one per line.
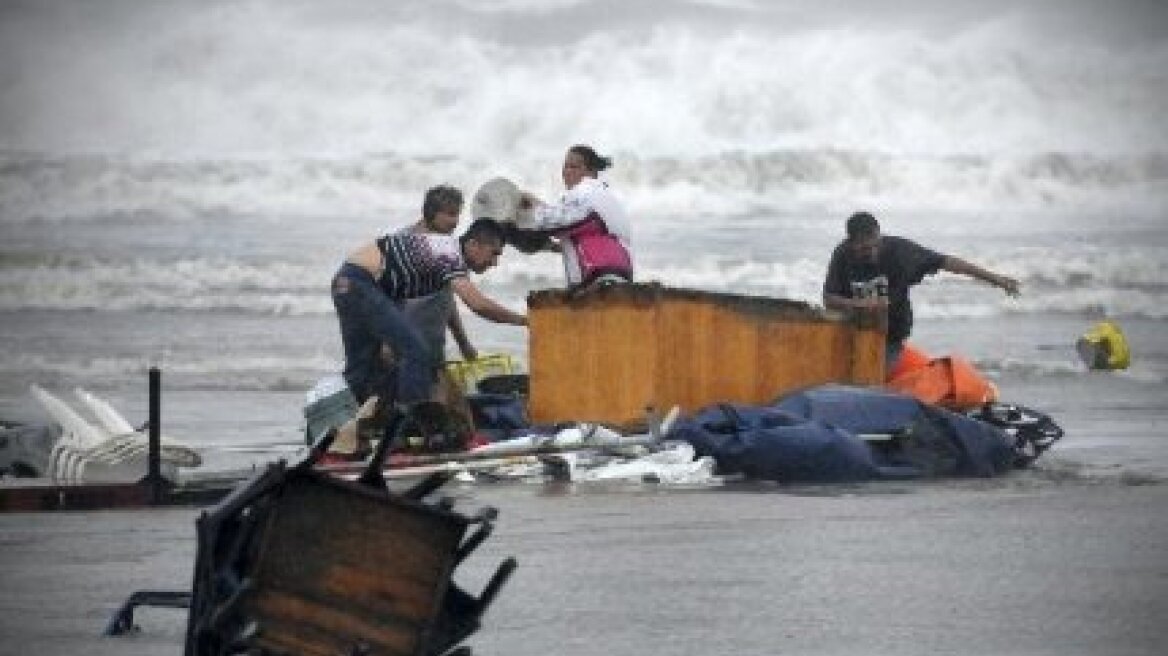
column 815, row 436
column 498, row 416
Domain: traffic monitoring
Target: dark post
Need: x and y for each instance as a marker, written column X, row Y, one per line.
column 154, row 463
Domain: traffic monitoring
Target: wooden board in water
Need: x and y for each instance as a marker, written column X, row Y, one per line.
column 609, row 354
column 341, row 567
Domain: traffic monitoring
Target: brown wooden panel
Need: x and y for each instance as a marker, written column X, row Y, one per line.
column 685, row 330
column 729, row 359
column 35, row 498
column 593, row 358
column 340, row 564
column 867, row 357
column 607, row 356
column 292, row 623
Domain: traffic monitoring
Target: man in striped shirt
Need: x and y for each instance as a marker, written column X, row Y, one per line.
column 374, row 281
column 438, row 313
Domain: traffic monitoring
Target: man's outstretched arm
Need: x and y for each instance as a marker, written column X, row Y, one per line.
column 483, row 306
column 960, row 266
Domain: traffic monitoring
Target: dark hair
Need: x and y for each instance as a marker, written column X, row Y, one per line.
column 862, row 224
column 484, row 230
column 526, row 241
column 592, row 160
column 442, row 198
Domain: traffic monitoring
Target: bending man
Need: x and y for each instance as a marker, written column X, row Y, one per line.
column 436, row 313
column 377, row 277
column 871, row 272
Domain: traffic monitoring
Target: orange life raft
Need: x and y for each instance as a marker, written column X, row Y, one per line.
column 950, row 382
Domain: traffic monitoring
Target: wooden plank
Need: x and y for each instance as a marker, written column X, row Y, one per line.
column 292, row 623
column 37, row 495
column 35, row 498
column 341, row 565
column 606, row 356
column 574, row 342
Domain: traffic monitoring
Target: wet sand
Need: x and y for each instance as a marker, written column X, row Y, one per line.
column 1033, row 563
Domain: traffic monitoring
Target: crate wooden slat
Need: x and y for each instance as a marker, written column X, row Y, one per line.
column 607, row 355
column 341, row 567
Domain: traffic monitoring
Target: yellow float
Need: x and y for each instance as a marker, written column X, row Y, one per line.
column 1104, row 347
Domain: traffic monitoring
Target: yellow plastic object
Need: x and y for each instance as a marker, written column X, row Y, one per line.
column 1104, row 347
column 467, row 373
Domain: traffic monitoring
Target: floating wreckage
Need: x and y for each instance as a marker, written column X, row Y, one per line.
column 1104, row 347
column 606, row 355
column 297, row 561
column 737, row 367
column 104, row 449
column 329, row 559
column 81, row 463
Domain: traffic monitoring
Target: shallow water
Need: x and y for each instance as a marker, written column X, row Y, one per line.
column 1027, row 564
column 179, row 197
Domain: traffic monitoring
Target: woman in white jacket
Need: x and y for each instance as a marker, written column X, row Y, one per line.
column 591, row 224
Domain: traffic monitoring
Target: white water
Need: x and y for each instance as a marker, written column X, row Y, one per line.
column 474, row 79
column 178, row 180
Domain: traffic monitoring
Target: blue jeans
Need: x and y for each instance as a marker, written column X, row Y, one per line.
column 368, row 319
column 430, row 316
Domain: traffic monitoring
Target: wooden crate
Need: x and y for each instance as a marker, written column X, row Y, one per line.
column 342, row 567
column 609, row 354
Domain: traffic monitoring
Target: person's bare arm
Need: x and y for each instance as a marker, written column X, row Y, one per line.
column 837, row 302
column 483, row 306
column 460, row 337
column 962, row 267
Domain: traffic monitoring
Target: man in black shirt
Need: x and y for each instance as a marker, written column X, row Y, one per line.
column 869, row 272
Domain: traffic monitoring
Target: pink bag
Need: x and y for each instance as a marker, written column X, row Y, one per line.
column 598, row 252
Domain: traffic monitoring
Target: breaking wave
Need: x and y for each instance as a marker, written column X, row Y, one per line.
column 185, row 109
column 685, row 79
column 258, row 373
column 1121, row 283
column 200, row 284
column 92, row 188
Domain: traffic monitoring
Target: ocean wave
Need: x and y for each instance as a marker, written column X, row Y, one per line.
column 476, row 80
column 1121, row 284
column 94, row 188
column 1068, row 367
column 196, row 284
column 1133, row 268
column 205, row 372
